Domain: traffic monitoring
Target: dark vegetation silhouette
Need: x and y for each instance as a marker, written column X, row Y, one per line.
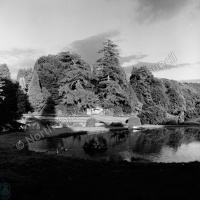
column 49, row 107
column 14, row 101
column 48, row 110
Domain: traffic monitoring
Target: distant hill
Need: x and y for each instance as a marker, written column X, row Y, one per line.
column 190, row 81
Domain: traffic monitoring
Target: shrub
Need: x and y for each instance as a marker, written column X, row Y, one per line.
column 77, row 125
column 91, row 122
column 116, row 124
column 95, row 145
column 127, row 109
column 190, row 123
column 59, row 112
column 49, row 107
column 170, row 118
column 171, row 122
column 109, row 112
column 133, row 121
column 72, row 109
column 118, row 111
column 153, row 115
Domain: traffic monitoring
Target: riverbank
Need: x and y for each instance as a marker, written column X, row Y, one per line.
column 40, row 176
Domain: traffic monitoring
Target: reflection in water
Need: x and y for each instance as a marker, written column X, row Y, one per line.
column 185, row 153
column 161, row 145
column 95, row 145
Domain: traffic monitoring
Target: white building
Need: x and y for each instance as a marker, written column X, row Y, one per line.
column 95, row 111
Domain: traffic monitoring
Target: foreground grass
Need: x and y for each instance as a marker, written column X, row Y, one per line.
column 40, row 176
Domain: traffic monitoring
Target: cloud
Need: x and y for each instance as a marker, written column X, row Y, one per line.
column 149, row 11
column 167, row 68
column 177, row 65
column 15, row 52
column 88, row 48
column 19, row 58
column 132, row 57
column 182, row 72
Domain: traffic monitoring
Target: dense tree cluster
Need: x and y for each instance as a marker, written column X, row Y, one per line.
column 66, row 84
column 164, row 99
column 13, row 101
column 73, row 85
column 66, row 78
column 153, row 115
column 191, row 93
column 76, row 87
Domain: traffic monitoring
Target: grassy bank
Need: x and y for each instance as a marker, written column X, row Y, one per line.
column 40, row 176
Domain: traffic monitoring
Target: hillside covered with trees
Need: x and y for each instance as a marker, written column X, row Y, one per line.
column 165, row 100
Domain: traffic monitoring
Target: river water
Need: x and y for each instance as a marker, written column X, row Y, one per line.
column 160, row 145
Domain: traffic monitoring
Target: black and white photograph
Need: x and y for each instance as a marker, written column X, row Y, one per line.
column 99, row 99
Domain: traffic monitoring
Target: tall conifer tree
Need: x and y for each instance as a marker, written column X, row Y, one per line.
column 4, row 72
column 112, row 83
column 34, row 93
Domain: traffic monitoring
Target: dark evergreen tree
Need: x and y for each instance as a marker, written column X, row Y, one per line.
column 4, row 71
column 49, row 70
column 24, row 77
column 112, row 84
column 49, row 107
column 8, row 107
column 74, row 70
column 76, row 87
column 15, row 103
column 77, row 95
column 23, row 104
column 67, row 78
column 141, row 80
column 1, row 89
column 34, row 93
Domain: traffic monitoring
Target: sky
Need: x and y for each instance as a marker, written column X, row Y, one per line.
column 144, row 30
